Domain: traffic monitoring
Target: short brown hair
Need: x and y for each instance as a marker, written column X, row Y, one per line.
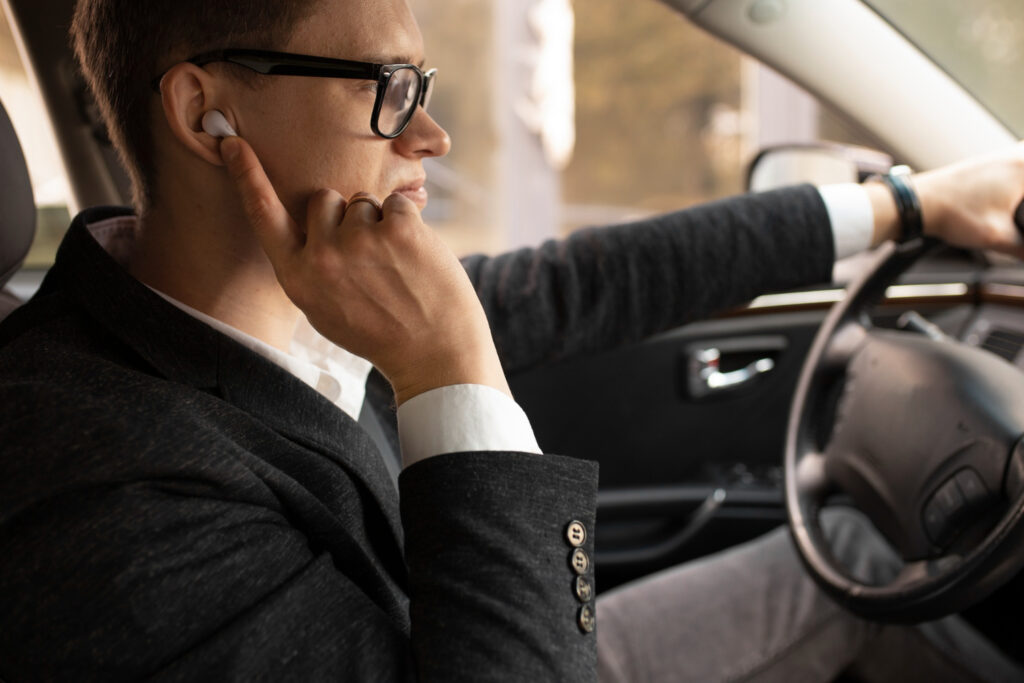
column 122, row 45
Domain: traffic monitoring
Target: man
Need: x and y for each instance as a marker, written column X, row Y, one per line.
column 196, row 477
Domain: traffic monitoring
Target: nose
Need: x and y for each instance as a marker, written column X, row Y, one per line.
column 424, row 137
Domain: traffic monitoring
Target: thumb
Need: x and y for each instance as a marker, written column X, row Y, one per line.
column 273, row 226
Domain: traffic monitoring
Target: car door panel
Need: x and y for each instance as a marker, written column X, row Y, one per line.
column 686, row 473
column 632, row 409
column 682, row 473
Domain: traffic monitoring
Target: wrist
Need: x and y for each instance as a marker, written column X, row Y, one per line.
column 934, row 209
column 908, row 206
column 899, row 213
column 883, row 206
column 444, row 368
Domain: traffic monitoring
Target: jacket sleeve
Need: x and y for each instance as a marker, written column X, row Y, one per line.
column 193, row 568
column 491, row 584
column 605, row 287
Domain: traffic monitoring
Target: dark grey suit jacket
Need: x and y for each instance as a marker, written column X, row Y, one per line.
column 175, row 506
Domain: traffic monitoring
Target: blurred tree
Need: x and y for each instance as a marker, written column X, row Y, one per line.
column 650, row 88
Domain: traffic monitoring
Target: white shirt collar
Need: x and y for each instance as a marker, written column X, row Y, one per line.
column 333, row 372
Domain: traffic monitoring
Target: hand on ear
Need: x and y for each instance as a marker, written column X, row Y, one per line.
column 216, row 125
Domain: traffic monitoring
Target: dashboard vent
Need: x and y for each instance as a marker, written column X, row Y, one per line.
column 1004, row 343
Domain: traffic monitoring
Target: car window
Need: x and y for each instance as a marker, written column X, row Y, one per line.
column 980, row 43
column 563, row 115
column 50, row 185
column 666, row 116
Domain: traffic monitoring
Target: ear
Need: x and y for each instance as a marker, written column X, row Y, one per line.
column 187, row 92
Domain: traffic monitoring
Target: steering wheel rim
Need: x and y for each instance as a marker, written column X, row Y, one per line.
column 927, row 588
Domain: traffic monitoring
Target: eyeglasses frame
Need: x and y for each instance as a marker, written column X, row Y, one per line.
column 272, row 63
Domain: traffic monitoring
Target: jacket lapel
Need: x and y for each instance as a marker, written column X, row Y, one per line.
column 185, row 350
column 298, row 413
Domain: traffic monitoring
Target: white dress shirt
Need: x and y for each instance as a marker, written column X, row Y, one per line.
column 852, row 218
column 452, row 419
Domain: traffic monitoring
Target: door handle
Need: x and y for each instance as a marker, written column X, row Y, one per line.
column 695, row 523
column 706, row 377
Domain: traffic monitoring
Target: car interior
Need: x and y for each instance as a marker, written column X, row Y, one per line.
column 693, row 427
column 18, row 221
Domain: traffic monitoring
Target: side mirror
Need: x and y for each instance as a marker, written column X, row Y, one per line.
column 815, row 163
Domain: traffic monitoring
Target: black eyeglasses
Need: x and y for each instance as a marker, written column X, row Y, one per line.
column 400, row 87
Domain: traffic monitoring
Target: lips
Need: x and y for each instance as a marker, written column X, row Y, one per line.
column 415, row 191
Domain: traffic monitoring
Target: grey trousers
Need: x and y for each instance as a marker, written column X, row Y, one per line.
column 752, row 614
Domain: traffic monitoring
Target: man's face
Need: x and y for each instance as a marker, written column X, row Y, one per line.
column 314, row 133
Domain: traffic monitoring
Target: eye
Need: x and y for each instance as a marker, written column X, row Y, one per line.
column 401, row 93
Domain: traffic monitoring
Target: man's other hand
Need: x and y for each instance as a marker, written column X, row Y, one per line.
column 970, row 204
column 379, row 283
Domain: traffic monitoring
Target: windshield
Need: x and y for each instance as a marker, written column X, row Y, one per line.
column 980, row 43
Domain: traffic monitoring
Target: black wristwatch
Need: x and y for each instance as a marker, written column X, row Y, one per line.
column 908, row 206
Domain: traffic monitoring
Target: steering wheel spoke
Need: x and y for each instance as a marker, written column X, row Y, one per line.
column 844, row 345
column 812, row 478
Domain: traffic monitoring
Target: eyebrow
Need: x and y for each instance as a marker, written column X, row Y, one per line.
column 402, row 59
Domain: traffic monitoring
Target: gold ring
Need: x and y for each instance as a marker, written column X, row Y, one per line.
column 363, row 198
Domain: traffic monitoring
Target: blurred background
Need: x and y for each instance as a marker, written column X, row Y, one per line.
column 568, row 114
column 665, row 116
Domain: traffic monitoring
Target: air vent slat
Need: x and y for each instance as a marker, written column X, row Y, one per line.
column 1004, row 343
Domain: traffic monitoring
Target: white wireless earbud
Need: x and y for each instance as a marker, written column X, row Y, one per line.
column 216, row 125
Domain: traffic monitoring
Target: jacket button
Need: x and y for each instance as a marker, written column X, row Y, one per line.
column 584, row 589
column 579, row 561
column 576, row 534
column 587, row 619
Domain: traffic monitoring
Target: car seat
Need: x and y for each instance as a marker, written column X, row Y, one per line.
column 17, row 211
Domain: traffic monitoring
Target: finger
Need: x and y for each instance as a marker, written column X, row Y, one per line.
column 1010, row 240
column 324, row 212
column 362, row 209
column 273, row 226
column 366, row 197
column 1016, row 252
column 398, row 204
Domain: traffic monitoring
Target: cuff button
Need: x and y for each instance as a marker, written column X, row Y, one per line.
column 583, row 588
column 579, row 561
column 576, row 534
column 587, row 619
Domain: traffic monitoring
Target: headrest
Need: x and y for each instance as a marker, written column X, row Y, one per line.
column 17, row 206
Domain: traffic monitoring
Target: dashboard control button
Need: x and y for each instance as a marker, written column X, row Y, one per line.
column 949, row 499
column 934, row 522
column 972, row 487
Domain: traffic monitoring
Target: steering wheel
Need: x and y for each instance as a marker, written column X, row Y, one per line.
column 923, row 435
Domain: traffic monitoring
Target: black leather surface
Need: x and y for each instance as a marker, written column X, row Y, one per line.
column 17, row 206
column 8, row 302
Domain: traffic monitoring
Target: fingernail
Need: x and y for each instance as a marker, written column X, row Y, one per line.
column 230, row 149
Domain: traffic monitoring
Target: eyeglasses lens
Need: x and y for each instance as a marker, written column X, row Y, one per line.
column 400, row 100
column 428, row 87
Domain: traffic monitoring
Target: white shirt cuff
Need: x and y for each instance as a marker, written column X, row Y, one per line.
column 851, row 215
column 461, row 418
